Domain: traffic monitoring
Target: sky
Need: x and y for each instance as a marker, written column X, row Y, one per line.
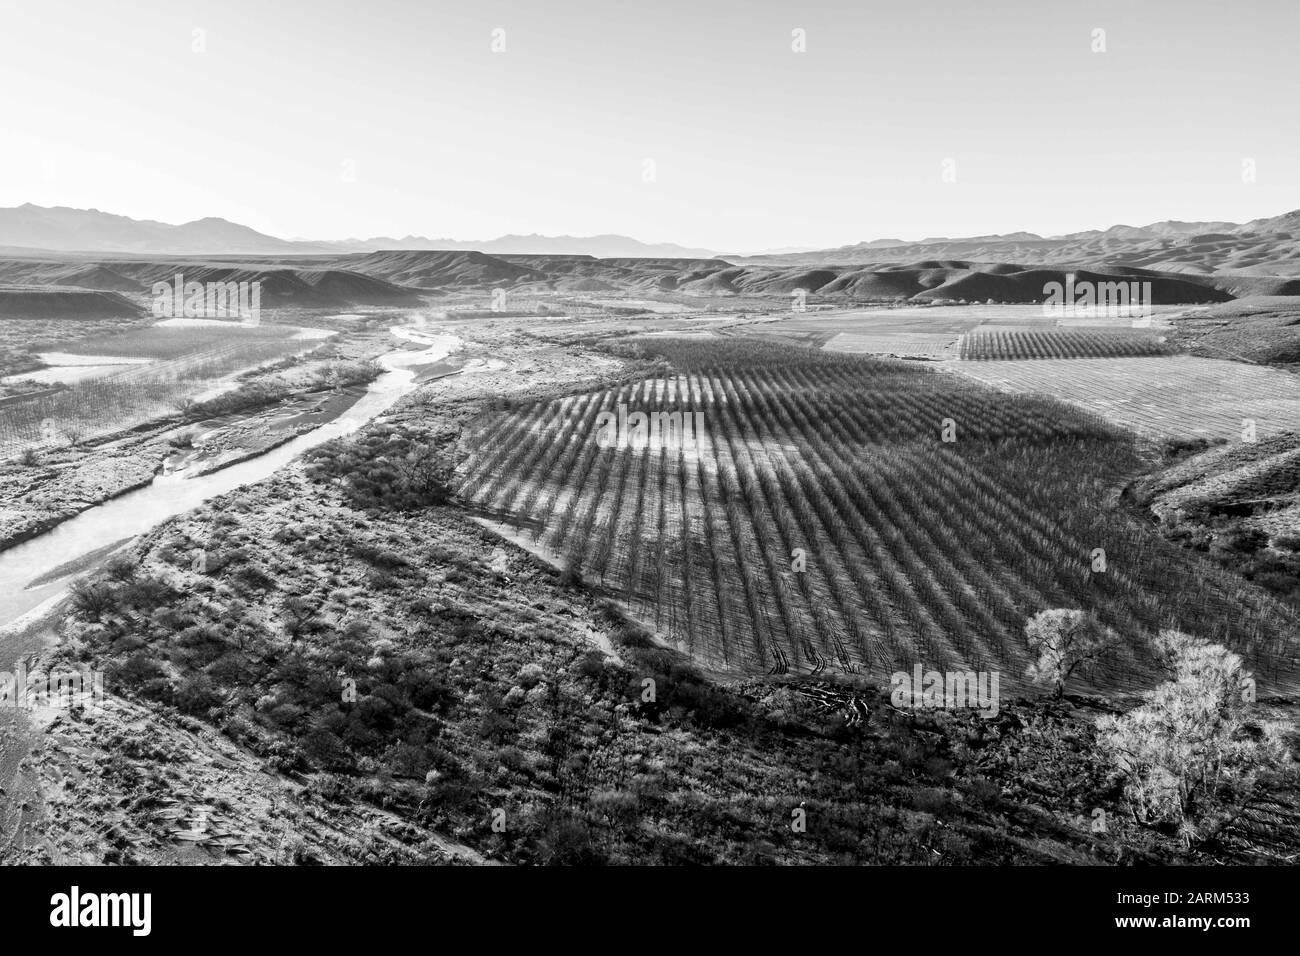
column 699, row 122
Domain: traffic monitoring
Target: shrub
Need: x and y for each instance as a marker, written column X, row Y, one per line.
column 148, row 594
column 91, row 600
column 298, row 612
column 242, row 399
column 196, row 696
column 571, row 575
column 566, row 840
column 122, row 568
column 401, row 469
column 1190, row 757
column 591, row 664
column 1287, row 542
column 617, row 806
column 136, row 670
column 249, row 577
column 1241, row 541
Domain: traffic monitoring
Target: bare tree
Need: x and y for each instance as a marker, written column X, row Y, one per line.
column 74, row 432
column 1066, row 642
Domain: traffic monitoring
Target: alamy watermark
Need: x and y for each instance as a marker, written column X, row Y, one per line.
column 953, row 690
column 208, row 300
column 75, row 909
column 1088, row 299
column 57, row 688
column 638, row 430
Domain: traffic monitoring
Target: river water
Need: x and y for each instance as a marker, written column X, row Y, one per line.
column 168, row 495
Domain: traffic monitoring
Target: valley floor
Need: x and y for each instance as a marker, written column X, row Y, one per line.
column 354, row 676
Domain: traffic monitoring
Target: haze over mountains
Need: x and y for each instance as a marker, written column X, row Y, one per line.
column 1259, row 247
column 602, row 247
column 94, row 261
column 63, row 229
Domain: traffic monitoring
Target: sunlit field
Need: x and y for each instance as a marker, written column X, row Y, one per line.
column 934, row 517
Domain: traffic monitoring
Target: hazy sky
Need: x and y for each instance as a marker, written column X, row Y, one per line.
column 330, row 119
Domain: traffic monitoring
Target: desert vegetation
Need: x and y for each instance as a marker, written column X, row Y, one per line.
column 400, row 664
column 1237, row 504
column 397, row 661
column 1194, row 758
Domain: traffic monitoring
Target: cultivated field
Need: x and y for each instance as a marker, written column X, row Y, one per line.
column 176, row 339
column 985, row 346
column 168, row 366
column 931, row 332
column 917, row 549
column 20, row 338
column 930, row 345
column 938, row 332
column 914, row 318
column 1177, row 396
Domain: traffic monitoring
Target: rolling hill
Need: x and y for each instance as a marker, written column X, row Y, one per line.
column 1262, row 247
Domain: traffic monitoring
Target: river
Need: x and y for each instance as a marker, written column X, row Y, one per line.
column 138, row 511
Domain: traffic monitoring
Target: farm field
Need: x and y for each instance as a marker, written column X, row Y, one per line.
column 585, row 329
column 1176, row 396
column 931, row 345
column 174, row 338
column 20, row 338
column 905, row 331
column 982, row 345
column 914, row 549
column 932, row 319
column 935, row 332
column 133, row 376
column 957, row 318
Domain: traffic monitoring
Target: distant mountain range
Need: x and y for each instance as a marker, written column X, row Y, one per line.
column 1169, row 228
column 602, row 247
column 63, row 229
column 1259, row 247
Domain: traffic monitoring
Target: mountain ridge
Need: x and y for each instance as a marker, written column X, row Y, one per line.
column 67, row 229
column 1267, row 246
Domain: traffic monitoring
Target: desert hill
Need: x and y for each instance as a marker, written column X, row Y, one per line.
column 1262, row 247
column 282, row 286
column 400, row 278
column 36, row 302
